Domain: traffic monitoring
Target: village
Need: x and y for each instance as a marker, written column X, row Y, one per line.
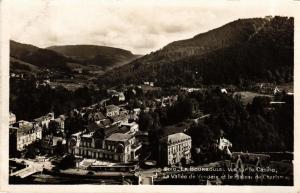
column 107, row 139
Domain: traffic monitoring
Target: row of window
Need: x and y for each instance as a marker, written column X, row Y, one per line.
column 177, row 159
column 180, row 147
column 28, row 138
column 91, row 154
column 109, row 147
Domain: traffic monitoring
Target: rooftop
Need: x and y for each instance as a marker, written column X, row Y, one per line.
column 119, row 118
column 177, row 128
column 112, row 107
column 48, row 116
column 175, row 138
column 129, row 124
column 119, row 137
column 124, row 129
column 25, row 127
column 88, row 135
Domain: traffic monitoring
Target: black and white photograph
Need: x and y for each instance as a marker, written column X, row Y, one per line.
column 150, row 93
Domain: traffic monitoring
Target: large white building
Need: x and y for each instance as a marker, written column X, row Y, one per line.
column 115, row 144
column 174, row 149
column 24, row 133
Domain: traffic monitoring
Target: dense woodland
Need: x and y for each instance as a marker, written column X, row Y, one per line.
column 29, row 102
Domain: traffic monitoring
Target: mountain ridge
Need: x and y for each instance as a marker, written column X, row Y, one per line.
column 59, row 59
column 269, row 37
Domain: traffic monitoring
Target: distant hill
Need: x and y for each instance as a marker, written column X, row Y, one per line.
column 41, row 58
column 31, row 60
column 245, row 50
column 103, row 56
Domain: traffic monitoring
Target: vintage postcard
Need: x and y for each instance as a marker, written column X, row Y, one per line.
column 154, row 96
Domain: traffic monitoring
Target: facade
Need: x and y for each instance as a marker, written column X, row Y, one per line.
column 12, row 118
column 112, row 110
column 110, row 144
column 45, row 120
column 119, row 95
column 60, row 121
column 123, row 147
column 175, row 148
column 24, row 133
column 224, row 145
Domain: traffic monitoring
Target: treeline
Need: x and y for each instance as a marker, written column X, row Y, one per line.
column 28, row 101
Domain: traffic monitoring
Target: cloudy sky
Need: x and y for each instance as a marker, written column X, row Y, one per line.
column 138, row 26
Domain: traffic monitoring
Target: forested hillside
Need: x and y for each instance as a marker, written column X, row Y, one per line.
column 257, row 49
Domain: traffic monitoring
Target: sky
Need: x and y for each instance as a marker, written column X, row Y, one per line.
column 138, row 26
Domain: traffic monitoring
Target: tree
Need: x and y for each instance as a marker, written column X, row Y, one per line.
column 53, row 128
column 67, row 162
column 145, row 121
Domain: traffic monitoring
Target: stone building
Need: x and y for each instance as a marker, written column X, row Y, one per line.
column 45, row 120
column 115, row 144
column 23, row 133
column 175, row 149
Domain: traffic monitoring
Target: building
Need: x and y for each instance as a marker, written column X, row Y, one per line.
column 120, row 119
column 224, row 145
column 44, row 120
column 175, row 149
column 112, row 110
column 23, row 133
column 133, row 126
column 137, row 111
column 61, row 122
column 49, row 143
column 111, row 144
column 119, row 96
column 12, row 118
column 96, row 116
column 123, row 147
